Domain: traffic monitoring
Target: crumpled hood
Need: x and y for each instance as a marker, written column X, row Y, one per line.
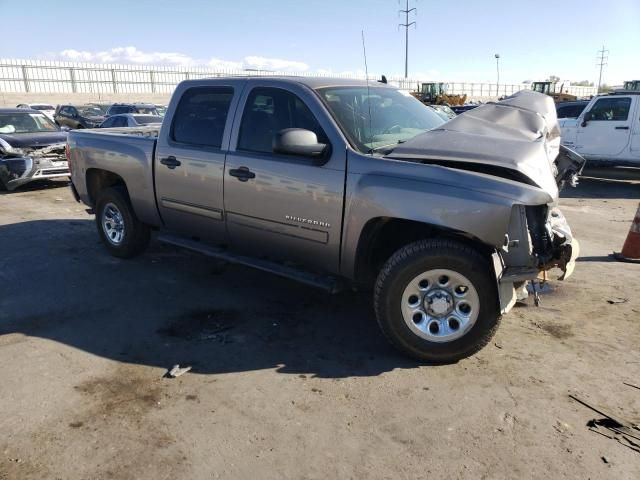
column 34, row 140
column 520, row 133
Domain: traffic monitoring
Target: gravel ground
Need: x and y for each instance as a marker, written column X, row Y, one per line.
column 288, row 382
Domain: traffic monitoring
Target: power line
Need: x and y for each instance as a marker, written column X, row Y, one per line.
column 406, row 26
column 603, row 57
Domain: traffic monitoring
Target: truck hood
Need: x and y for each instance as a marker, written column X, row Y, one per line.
column 517, row 138
column 34, row 140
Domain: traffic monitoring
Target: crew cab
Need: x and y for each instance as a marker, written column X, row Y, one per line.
column 607, row 132
column 339, row 183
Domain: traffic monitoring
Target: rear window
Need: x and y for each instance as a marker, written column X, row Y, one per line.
column 42, row 107
column 201, row 116
column 145, row 110
column 116, row 109
column 146, row 119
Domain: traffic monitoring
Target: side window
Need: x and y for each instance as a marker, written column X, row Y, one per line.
column 108, row 123
column 269, row 110
column 611, row 109
column 201, row 116
column 72, row 111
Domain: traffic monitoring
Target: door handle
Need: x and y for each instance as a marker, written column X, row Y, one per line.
column 171, row 162
column 622, row 128
column 243, row 173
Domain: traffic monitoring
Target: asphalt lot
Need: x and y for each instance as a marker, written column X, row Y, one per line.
column 288, row 382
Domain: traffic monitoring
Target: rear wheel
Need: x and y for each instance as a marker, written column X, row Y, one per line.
column 119, row 228
column 436, row 300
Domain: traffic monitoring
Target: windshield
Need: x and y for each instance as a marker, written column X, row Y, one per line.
column 89, row 111
column 102, row 107
column 26, row 123
column 395, row 115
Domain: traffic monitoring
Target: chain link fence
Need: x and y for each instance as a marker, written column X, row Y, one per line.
column 38, row 76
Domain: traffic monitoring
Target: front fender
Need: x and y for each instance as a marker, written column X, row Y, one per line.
column 475, row 204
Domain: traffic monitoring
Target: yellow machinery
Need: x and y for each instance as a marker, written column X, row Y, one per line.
column 433, row 93
column 549, row 88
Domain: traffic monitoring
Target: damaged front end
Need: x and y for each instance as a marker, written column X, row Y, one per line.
column 23, row 165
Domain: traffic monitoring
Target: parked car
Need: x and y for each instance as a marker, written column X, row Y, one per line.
column 143, row 108
column 162, row 110
column 46, row 108
column 302, row 178
column 32, row 147
column 607, row 132
column 571, row 109
column 130, row 120
column 103, row 106
column 78, row 116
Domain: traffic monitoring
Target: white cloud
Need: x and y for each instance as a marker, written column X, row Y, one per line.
column 131, row 55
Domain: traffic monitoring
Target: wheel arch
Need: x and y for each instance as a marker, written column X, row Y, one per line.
column 383, row 236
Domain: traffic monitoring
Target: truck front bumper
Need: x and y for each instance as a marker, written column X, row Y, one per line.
column 562, row 252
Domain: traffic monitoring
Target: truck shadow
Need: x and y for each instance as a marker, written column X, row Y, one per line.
column 172, row 307
column 37, row 185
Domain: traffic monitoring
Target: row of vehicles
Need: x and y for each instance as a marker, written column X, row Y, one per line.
column 33, row 136
column 94, row 114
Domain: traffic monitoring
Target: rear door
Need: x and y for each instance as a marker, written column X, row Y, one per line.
column 608, row 130
column 189, row 159
column 287, row 207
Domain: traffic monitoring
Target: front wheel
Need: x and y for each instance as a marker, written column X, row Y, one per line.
column 120, row 230
column 437, row 301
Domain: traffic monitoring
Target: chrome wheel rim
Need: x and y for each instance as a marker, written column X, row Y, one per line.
column 440, row 305
column 113, row 224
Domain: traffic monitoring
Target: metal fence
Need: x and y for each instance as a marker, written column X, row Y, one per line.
column 38, row 76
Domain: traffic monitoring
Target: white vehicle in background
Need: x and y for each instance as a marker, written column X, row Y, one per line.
column 607, row 132
column 131, row 120
column 46, row 108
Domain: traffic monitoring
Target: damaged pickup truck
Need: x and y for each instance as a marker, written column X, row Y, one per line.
column 32, row 147
column 339, row 183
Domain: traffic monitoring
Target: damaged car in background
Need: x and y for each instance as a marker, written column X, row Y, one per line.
column 338, row 183
column 32, row 147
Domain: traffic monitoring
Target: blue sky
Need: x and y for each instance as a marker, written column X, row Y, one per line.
column 454, row 41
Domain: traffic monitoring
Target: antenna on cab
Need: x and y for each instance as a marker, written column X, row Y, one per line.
column 366, row 72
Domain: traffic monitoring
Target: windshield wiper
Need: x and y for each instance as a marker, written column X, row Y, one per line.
column 382, row 147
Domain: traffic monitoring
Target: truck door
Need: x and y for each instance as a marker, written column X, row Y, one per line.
column 284, row 206
column 189, row 161
column 608, row 127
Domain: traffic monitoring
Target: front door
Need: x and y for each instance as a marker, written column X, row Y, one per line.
column 190, row 159
column 285, row 206
column 608, row 128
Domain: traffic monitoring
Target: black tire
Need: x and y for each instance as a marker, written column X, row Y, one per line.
column 410, row 262
column 136, row 234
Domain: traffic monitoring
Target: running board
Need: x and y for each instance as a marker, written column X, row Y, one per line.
column 330, row 284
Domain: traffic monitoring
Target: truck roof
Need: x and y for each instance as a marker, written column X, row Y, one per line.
column 311, row 82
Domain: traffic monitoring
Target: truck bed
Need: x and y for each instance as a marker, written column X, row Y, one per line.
column 126, row 152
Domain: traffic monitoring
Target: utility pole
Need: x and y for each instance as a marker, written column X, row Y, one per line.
column 603, row 56
column 406, row 26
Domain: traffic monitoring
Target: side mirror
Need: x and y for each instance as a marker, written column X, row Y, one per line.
column 64, row 128
column 585, row 119
column 298, row 141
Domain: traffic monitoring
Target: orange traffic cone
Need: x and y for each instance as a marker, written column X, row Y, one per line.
column 631, row 248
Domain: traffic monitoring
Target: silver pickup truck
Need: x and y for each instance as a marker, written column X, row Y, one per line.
column 341, row 183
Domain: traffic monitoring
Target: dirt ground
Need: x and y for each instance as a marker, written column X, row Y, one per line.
column 289, row 382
